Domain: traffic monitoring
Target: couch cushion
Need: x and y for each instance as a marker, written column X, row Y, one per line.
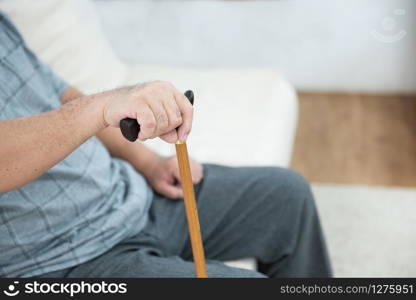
column 67, row 35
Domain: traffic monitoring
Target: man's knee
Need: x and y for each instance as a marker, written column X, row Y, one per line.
column 291, row 186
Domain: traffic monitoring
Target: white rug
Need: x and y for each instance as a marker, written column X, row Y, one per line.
column 371, row 231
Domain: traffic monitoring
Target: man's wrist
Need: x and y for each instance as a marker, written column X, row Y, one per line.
column 97, row 102
column 100, row 102
column 86, row 114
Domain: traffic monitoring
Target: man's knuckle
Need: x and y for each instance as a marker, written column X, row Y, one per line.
column 145, row 97
column 178, row 112
column 189, row 109
column 162, row 120
column 149, row 124
column 177, row 120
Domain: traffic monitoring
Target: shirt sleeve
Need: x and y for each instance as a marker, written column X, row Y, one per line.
column 57, row 83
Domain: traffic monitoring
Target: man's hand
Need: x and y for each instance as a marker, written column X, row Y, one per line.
column 162, row 173
column 158, row 107
column 164, row 177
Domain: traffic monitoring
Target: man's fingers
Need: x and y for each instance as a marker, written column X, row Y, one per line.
column 147, row 123
column 187, row 113
column 160, row 115
column 171, row 191
column 174, row 120
column 196, row 170
column 197, row 173
column 175, row 170
column 196, row 178
column 173, row 112
column 170, row 137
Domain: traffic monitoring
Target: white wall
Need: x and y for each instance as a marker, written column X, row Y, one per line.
column 319, row 45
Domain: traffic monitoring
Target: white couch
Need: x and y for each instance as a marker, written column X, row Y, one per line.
column 242, row 117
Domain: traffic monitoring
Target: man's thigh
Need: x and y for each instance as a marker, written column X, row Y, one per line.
column 244, row 212
column 130, row 262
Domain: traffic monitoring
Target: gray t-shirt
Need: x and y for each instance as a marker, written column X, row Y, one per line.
column 82, row 206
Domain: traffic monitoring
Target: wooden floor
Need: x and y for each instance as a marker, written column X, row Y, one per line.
column 357, row 139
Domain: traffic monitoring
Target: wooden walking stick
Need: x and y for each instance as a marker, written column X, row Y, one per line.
column 130, row 130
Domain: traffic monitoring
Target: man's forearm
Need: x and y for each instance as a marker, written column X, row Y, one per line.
column 31, row 145
column 136, row 154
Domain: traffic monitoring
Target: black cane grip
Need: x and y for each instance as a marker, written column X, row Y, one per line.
column 130, row 128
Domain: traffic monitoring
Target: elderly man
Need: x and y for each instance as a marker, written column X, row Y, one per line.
column 78, row 200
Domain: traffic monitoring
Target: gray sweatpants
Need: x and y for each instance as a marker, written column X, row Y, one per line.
column 263, row 212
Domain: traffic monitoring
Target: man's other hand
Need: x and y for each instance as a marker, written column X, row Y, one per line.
column 164, row 176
